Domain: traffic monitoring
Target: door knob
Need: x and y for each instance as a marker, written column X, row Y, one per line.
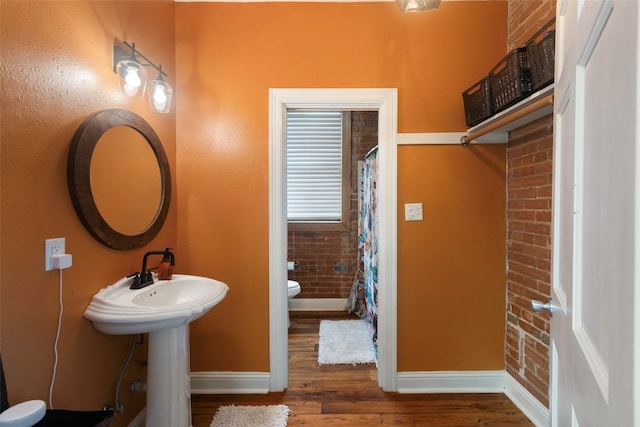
column 539, row 306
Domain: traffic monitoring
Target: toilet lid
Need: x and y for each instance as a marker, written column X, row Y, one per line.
column 292, row 284
column 24, row 413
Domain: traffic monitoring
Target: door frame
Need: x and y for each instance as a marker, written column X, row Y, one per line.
column 385, row 102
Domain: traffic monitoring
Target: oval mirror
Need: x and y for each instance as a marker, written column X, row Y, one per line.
column 119, row 179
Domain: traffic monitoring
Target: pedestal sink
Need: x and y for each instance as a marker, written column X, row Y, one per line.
column 164, row 311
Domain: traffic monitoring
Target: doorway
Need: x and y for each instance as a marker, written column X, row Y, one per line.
column 384, row 101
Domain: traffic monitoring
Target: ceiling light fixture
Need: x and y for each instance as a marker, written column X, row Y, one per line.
column 417, row 5
column 132, row 77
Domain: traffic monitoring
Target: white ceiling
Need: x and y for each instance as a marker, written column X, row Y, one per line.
column 303, row 1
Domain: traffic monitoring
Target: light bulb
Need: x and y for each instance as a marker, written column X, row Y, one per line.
column 417, row 5
column 412, row 5
column 133, row 79
column 160, row 93
column 129, row 90
column 159, row 98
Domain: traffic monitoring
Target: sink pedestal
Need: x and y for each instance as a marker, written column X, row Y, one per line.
column 164, row 310
column 168, row 382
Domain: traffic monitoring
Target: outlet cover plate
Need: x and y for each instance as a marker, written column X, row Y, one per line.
column 52, row 247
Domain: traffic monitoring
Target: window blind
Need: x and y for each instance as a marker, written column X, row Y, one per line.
column 314, row 165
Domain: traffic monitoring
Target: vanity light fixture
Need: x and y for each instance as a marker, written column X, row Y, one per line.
column 160, row 94
column 417, row 5
column 131, row 74
column 132, row 77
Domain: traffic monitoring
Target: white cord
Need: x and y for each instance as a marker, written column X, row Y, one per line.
column 55, row 347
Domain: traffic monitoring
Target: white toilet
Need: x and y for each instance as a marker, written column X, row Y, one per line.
column 293, row 289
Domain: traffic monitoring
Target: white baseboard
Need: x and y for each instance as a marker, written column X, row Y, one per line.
column 140, row 419
column 229, row 382
column 318, row 304
column 408, row 382
column 526, row 402
column 220, row 383
column 451, row 382
column 476, row 382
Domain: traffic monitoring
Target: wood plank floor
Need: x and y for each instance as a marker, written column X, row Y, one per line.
column 348, row 395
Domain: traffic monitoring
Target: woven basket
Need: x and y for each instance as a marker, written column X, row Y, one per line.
column 541, row 49
column 511, row 79
column 477, row 102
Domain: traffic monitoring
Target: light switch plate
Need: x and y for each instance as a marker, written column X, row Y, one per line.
column 413, row 212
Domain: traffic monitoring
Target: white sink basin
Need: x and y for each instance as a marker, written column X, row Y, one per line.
column 118, row 310
column 164, row 310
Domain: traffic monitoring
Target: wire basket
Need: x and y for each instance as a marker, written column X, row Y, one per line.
column 511, row 79
column 541, row 49
column 477, row 102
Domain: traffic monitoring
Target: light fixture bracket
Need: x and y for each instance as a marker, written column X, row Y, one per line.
column 129, row 51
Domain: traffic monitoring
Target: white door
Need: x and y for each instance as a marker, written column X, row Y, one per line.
column 595, row 327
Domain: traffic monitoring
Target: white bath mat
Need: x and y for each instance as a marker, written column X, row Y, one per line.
column 251, row 416
column 345, row 342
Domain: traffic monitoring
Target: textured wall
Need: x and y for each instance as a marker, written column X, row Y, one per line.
column 230, row 54
column 529, row 179
column 529, row 252
column 526, row 17
column 56, row 70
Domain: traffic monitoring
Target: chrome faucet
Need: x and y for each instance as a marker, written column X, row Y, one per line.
column 145, row 278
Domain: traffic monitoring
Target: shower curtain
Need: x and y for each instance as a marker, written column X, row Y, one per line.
column 363, row 299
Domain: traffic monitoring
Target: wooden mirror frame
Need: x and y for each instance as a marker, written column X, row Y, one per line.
column 79, row 178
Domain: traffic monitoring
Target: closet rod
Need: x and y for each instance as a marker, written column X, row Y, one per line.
column 541, row 103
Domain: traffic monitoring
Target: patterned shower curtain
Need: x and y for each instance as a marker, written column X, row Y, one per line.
column 363, row 299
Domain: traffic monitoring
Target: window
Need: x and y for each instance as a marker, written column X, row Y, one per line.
column 318, row 156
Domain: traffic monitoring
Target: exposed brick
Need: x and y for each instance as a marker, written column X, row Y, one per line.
column 540, row 323
column 327, row 260
column 529, row 192
column 536, row 204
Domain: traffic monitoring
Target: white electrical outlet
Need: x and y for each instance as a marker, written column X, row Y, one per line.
column 413, row 212
column 52, row 247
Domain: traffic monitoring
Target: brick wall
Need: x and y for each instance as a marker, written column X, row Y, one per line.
column 529, row 190
column 327, row 259
column 529, row 167
column 525, row 18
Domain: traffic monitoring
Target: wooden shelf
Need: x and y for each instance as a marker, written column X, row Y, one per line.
column 497, row 128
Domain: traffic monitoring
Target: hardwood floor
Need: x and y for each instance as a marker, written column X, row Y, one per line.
column 346, row 395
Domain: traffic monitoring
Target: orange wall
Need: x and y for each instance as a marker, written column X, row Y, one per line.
column 451, row 285
column 451, row 270
column 56, row 71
